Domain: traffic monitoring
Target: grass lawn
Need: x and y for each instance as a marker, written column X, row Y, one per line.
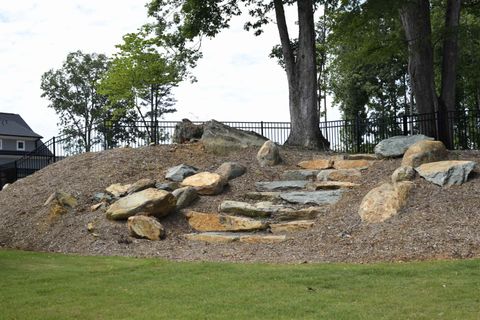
column 54, row 286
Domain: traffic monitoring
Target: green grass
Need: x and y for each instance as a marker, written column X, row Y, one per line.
column 54, row 286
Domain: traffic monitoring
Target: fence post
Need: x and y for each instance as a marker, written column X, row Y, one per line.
column 54, row 151
column 405, row 125
column 16, row 171
column 357, row 133
column 261, row 128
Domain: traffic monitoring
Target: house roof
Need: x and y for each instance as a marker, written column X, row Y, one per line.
column 12, row 124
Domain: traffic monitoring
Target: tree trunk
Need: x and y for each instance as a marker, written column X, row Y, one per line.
column 415, row 17
column 301, row 75
column 449, row 70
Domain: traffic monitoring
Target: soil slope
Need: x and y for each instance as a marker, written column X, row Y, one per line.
column 437, row 223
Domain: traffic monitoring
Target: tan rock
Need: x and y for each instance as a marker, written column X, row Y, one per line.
column 331, row 185
column 213, row 237
column 265, row 239
column 61, row 198
column 352, row 164
column 349, row 175
column 446, row 172
column 97, row 206
column 142, row 226
column 361, row 156
column 206, row 222
column 318, row 164
column 141, row 184
column 423, row 152
column 206, row 183
column 384, row 201
column 269, row 154
column 292, row 226
column 404, row 173
column 90, row 227
column 151, row 201
column 118, row 190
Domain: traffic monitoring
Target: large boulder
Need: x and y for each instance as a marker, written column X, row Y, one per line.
column 269, row 154
column 231, row 170
column 446, row 172
column 145, row 227
column 205, row 222
column 187, row 131
column 180, row 172
column 220, row 137
column 396, row 146
column 152, row 202
column 384, row 201
column 423, row 152
column 206, row 183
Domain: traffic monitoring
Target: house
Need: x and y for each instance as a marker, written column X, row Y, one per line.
column 17, row 139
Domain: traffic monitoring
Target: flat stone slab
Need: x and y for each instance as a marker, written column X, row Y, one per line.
column 331, row 185
column 299, row 175
column 352, row 164
column 361, row 156
column 228, row 237
column 281, row 185
column 339, row 175
column 446, row 172
column 317, row 164
column 206, row 222
column 297, row 214
column 324, row 197
column 292, row 226
column 262, row 196
column 260, row 209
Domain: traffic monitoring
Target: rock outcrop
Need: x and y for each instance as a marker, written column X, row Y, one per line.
column 423, row 152
column 219, row 137
column 396, row 146
column 187, row 131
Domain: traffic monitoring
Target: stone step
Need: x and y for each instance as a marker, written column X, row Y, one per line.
column 348, row 175
column 227, row 237
column 317, row 164
column 292, row 226
column 260, row 209
column 361, row 156
column 299, row 175
column 205, row 222
column 352, row 164
column 262, row 196
column 331, row 185
column 297, row 214
column 281, row 185
column 323, row 197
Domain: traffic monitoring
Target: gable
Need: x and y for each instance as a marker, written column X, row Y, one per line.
column 13, row 125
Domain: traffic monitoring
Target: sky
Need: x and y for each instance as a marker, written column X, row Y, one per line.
column 236, row 79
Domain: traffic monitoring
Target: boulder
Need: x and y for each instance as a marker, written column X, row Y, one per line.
column 187, row 131
column 260, row 209
column 180, row 172
column 206, row 222
column 404, row 173
column 206, row 183
column 299, row 175
column 145, row 227
column 318, row 164
column 324, row 197
column 280, row 185
column 269, row 154
column 396, row 146
column 331, row 185
column 423, row 152
column 185, row 196
column 118, row 190
column 446, row 172
column 352, row 164
column 218, row 137
column 141, row 184
column 384, row 201
column 231, row 170
column 291, row 226
column 152, row 202
column 347, row 175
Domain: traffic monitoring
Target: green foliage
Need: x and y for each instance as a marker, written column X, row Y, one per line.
column 54, row 286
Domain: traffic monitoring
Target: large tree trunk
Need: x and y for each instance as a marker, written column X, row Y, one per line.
column 301, row 75
column 415, row 17
column 449, row 71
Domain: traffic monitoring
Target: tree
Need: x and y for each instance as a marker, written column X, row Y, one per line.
column 142, row 78
column 180, row 22
column 72, row 94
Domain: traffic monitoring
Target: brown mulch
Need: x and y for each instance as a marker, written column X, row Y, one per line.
column 437, row 223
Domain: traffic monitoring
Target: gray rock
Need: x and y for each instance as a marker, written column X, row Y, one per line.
column 299, row 175
column 269, row 154
column 281, row 185
column 167, row 186
column 101, row 196
column 187, row 131
column 260, row 209
column 180, row 172
column 339, row 175
column 313, row 197
column 231, row 170
column 446, row 172
column 185, row 196
column 219, row 137
column 396, row 146
column 141, row 184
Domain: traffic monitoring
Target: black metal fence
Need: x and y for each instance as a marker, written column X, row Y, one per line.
column 352, row 136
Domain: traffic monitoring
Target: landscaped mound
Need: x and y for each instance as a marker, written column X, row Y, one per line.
column 437, row 222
